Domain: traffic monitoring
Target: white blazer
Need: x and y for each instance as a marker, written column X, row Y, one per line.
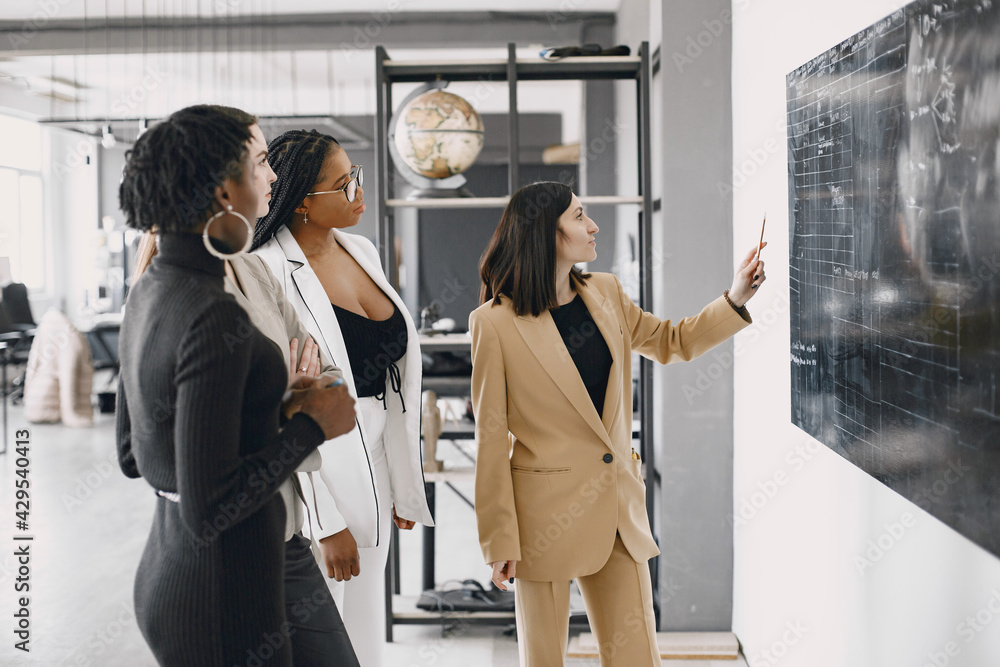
column 343, row 494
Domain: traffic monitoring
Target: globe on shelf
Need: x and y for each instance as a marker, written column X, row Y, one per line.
column 438, row 134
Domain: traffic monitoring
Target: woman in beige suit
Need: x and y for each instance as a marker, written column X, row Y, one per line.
column 559, row 494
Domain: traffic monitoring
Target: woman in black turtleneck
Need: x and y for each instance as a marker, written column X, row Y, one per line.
column 201, row 414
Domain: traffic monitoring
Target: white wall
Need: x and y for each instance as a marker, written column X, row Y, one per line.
column 71, row 216
column 799, row 591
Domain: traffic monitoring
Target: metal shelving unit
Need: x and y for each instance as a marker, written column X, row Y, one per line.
column 513, row 70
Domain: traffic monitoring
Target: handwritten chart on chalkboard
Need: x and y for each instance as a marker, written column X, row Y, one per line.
column 894, row 226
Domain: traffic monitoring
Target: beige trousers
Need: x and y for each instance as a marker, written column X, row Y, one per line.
column 619, row 601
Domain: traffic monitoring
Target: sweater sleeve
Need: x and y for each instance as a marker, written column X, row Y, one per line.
column 213, row 479
column 123, row 434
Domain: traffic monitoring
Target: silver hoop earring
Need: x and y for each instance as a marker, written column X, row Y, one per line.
column 208, row 240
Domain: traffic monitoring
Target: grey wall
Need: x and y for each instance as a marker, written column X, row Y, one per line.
column 695, row 429
column 692, row 250
column 598, row 150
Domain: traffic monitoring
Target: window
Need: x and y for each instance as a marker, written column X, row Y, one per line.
column 22, row 222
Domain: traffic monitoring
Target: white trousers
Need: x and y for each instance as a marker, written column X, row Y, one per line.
column 361, row 600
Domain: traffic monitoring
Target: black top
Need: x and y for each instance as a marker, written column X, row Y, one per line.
column 198, row 405
column 373, row 348
column 586, row 346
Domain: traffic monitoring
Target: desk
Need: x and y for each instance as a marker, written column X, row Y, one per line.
column 102, row 336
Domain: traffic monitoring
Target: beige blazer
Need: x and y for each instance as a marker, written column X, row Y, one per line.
column 555, row 481
column 265, row 303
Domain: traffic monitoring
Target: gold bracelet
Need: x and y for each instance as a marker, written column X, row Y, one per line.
column 738, row 309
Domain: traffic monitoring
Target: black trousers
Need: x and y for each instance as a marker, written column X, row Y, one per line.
column 317, row 631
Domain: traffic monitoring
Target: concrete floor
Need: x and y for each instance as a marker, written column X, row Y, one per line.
column 90, row 523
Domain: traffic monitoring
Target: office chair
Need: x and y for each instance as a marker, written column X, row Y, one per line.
column 18, row 336
column 15, row 300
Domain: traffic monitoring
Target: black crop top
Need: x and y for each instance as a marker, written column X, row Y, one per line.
column 374, row 347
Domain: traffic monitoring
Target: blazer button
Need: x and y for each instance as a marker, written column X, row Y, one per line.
column 608, row 458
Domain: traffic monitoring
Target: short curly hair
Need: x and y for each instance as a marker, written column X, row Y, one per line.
column 170, row 175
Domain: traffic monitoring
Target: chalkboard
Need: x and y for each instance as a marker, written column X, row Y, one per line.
column 894, row 237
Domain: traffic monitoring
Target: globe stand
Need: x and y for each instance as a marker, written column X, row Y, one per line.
column 437, row 192
column 423, row 187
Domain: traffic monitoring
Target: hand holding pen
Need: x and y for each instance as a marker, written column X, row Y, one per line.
column 749, row 273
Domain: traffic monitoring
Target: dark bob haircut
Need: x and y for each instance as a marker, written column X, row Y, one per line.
column 520, row 262
column 170, row 176
column 297, row 158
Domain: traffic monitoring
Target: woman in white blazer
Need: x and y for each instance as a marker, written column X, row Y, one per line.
column 374, row 474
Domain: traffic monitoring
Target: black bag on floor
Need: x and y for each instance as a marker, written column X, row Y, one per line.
column 470, row 597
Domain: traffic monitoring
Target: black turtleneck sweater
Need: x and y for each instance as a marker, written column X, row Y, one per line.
column 198, row 415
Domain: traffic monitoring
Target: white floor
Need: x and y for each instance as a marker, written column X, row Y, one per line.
column 90, row 523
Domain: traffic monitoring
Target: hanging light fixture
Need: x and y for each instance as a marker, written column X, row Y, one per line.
column 107, row 136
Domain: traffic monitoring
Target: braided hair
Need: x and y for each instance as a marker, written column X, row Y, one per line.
column 170, row 175
column 297, row 158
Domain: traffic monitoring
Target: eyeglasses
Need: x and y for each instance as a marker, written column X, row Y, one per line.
column 350, row 188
